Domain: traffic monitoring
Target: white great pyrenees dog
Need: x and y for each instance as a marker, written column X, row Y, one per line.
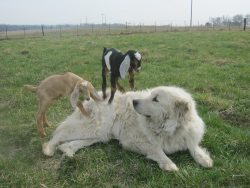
column 153, row 122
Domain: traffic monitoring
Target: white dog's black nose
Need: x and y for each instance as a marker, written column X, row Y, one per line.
column 135, row 102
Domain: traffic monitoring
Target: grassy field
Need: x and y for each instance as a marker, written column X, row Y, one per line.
column 213, row 66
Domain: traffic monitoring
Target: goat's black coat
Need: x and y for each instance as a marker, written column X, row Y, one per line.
column 116, row 58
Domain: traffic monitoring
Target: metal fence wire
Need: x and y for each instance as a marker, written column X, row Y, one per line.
column 8, row 32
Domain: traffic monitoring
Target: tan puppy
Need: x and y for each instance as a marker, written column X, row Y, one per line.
column 56, row 86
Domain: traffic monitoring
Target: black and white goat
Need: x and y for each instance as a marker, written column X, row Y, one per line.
column 119, row 64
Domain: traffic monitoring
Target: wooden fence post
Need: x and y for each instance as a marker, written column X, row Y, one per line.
column 60, row 30
column 42, row 31
column 24, row 33
column 245, row 23
column 6, row 32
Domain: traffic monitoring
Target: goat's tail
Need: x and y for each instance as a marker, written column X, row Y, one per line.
column 104, row 51
column 30, row 88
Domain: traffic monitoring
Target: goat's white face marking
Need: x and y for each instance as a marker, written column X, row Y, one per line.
column 107, row 61
column 138, row 56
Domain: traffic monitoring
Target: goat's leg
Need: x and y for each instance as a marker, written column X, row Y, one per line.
column 82, row 109
column 131, row 80
column 120, row 87
column 45, row 121
column 43, row 107
column 113, row 88
column 104, row 82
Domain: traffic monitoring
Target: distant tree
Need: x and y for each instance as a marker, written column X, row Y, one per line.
column 208, row 24
column 216, row 21
column 225, row 20
column 237, row 20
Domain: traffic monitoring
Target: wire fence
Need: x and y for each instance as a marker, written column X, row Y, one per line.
column 105, row 29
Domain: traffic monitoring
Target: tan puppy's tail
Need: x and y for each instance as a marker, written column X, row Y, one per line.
column 30, row 88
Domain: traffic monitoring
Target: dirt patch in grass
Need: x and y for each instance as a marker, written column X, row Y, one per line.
column 24, row 52
column 235, row 117
column 221, row 62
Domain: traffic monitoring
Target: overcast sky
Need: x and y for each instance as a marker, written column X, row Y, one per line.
column 116, row 11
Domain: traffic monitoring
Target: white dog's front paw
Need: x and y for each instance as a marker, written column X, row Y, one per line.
column 48, row 150
column 207, row 162
column 169, row 167
column 67, row 150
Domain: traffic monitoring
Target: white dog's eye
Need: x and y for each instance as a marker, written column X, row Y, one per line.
column 155, row 99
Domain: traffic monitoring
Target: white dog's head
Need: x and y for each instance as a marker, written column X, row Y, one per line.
column 166, row 108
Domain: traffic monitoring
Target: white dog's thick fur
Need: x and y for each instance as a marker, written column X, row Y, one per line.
column 153, row 122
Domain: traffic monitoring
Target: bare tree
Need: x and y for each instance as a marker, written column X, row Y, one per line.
column 237, row 20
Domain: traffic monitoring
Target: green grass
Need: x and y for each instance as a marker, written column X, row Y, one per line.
column 213, row 66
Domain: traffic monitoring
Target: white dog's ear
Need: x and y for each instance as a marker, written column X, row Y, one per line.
column 93, row 93
column 75, row 96
column 181, row 108
column 124, row 66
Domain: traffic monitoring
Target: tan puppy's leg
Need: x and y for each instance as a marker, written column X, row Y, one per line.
column 45, row 121
column 44, row 105
column 40, row 127
column 82, row 109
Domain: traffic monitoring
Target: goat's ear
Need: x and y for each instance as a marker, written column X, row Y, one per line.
column 75, row 96
column 181, row 108
column 124, row 67
column 93, row 93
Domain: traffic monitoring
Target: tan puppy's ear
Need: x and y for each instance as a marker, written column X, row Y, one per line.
column 75, row 95
column 93, row 93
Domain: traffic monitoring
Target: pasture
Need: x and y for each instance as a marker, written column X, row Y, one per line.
column 213, row 66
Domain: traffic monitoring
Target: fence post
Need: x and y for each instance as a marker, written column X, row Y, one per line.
column 24, row 33
column 77, row 30
column 109, row 28
column 245, row 23
column 42, row 31
column 60, row 30
column 92, row 28
column 126, row 27
column 6, row 32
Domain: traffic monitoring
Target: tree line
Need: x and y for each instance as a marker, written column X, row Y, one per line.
column 236, row 20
